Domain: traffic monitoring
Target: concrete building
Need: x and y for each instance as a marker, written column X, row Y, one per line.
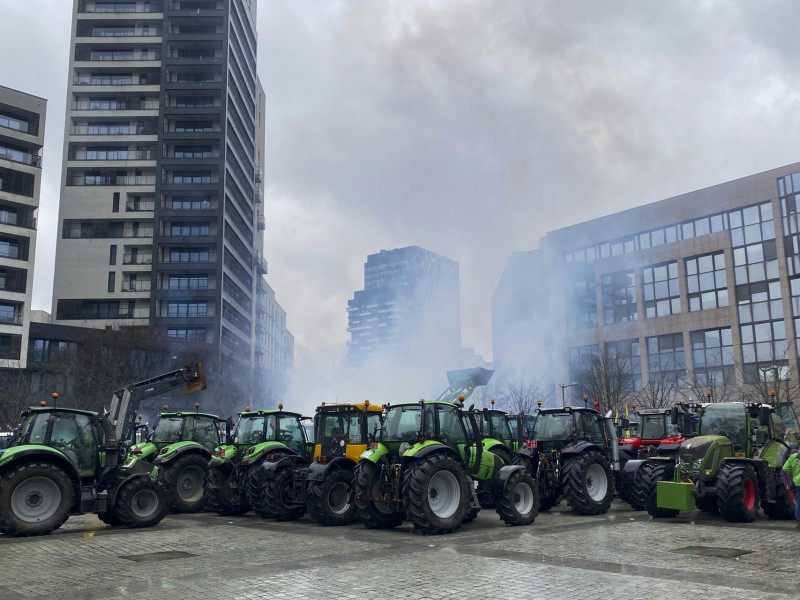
column 702, row 288
column 22, row 119
column 409, row 308
column 161, row 214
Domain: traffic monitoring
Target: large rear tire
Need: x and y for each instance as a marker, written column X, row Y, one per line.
column 141, row 502
column 330, row 501
column 369, row 512
column 782, row 508
column 635, row 497
column 737, row 492
column 519, row 502
column 256, row 484
column 184, row 477
column 219, row 495
column 436, row 494
column 35, row 499
column 278, row 497
column 651, row 474
column 588, row 483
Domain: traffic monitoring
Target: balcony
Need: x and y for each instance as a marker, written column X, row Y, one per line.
column 262, row 224
column 17, row 220
column 136, row 313
column 86, row 154
column 114, row 81
column 116, row 105
column 92, row 180
column 126, row 7
column 113, row 130
column 258, row 197
column 260, row 263
column 140, row 206
column 117, row 55
column 257, row 173
column 137, row 259
column 135, row 286
column 23, row 158
column 11, row 318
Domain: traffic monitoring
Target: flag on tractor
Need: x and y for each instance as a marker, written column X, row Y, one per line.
column 597, row 402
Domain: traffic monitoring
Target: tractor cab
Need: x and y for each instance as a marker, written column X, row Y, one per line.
column 788, row 417
column 521, row 428
column 495, row 427
column 175, row 427
column 345, row 429
column 271, row 426
column 555, row 427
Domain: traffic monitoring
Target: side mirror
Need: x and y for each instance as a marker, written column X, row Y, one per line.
column 625, row 423
column 764, row 416
column 673, row 414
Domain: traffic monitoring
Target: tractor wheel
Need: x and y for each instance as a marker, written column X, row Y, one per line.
column 737, row 492
column 782, row 508
column 471, row 515
column 485, row 496
column 651, row 474
column 109, row 518
column 140, row 502
column 184, row 477
column 256, row 483
column 278, row 497
column 635, row 497
column 588, row 484
column 436, row 494
column 219, row 496
column 35, row 499
column 372, row 514
column 330, row 501
column 546, row 500
column 519, row 502
column 707, row 504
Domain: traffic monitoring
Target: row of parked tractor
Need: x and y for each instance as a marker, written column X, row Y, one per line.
column 433, row 463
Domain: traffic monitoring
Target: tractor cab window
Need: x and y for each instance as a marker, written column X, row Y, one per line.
column 451, row 427
column 553, row 427
column 402, row 424
column 334, row 425
column 291, row 433
column 500, row 427
column 778, row 427
column 653, row 427
column 729, row 421
column 35, row 428
column 73, row 435
column 373, row 424
column 592, row 429
column 354, row 431
column 250, row 430
column 168, row 430
column 206, row 433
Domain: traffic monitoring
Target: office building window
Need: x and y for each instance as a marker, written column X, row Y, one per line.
column 661, row 290
column 712, row 354
column 706, row 282
column 666, row 357
column 619, row 297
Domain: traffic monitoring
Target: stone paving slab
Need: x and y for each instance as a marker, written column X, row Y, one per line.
column 621, row 555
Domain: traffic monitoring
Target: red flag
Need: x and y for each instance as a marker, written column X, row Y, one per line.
column 597, row 402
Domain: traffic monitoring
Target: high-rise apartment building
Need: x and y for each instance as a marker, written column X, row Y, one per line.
column 161, row 213
column 409, row 308
column 22, row 118
column 701, row 291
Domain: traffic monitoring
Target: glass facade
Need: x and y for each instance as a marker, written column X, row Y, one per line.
column 665, row 354
column 706, row 282
column 662, row 295
column 619, row 297
column 712, row 354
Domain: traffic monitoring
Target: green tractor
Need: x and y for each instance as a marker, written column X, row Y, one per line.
column 234, row 480
column 291, row 486
column 423, row 468
column 67, row 461
column 732, row 465
column 181, row 445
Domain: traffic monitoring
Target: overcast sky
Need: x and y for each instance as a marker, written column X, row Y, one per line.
column 468, row 127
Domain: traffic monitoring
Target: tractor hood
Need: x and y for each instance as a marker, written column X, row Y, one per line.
column 694, row 450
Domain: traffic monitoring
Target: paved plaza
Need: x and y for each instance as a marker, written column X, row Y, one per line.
column 621, row 555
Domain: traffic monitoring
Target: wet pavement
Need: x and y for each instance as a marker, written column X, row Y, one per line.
column 621, row 555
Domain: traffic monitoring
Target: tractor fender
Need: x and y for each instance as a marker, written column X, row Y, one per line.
column 628, row 473
column 630, row 449
column 173, row 453
column 428, row 448
column 373, row 455
column 319, row 471
column 112, row 492
column 528, row 458
column 255, row 453
column 579, row 448
column 500, row 480
column 668, row 449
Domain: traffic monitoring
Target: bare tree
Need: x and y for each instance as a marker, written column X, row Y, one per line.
column 716, row 386
column 519, row 395
column 606, row 376
column 660, row 391
column 15, row 395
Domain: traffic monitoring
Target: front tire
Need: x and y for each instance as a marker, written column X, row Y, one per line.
column 369, row 512
column 436, row 494
column 184, row 477
column 141, row 502
column 782, row 508
column 35, row 499
column 519, row 502
column 588, row 484
column 330, row 501
column 652, row 473
column 737, row 492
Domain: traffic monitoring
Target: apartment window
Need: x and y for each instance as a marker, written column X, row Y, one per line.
column 15, row 182
column 100, row 309
column 9, row 249
column 189, row 229
column 626, row 352
column 194, row 101
column 188, row 282
column 194, row 77
column 8, row 216
column 100, row 153
column 96, row 128
column 193, row 126
column 199, row 255
column 10, row 346
column 191, row 177
column 619, row 297
column 112, row 279
column 661, row 290
column 8, row 314
column 107, row 7
column 190, row 203
column 192, row 151
column 188, row 333
column 187, row 309
column 115, row 202
column 112, row 254
column 15, row 123
column 111, row 55
column 706, row 282
column 712, row 354
column 582, row 307
column 113, row 31
column 111, row 79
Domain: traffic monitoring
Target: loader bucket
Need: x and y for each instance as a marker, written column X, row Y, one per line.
column 476, row 376
column 677, row 495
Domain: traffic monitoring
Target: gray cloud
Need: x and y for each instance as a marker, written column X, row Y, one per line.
column 469, row 127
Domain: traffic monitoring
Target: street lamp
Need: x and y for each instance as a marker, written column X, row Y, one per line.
column 772, row 395
column 585, row 401
column 564, row 386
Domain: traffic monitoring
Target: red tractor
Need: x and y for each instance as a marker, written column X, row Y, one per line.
column 660, row 433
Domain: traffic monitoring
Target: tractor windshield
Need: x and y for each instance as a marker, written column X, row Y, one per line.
column 402, row 423
column 552, row 427
column 33, row 429
column 168, row 430
column 725, row 419
column 205, row 432
column 500, row 427
column 789, row 419
column 653, row 427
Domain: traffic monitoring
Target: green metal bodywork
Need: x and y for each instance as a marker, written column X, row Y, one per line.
column 9, row 454
column 249, row 453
